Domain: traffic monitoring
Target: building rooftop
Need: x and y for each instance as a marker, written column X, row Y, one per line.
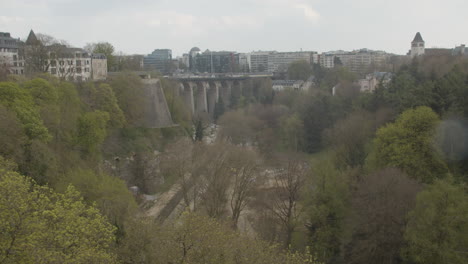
column 6, row 41
column 32, row 39
column 418, row 38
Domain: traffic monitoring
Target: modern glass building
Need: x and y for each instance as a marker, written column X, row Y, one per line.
column 160, row 60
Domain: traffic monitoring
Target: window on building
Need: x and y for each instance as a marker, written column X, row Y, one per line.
column 15, row 57
column 78, row 70
column 78, row 62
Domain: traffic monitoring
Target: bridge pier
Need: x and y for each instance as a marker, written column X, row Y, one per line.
column 225, row 92
column 187, row 95
column 236, row 93
column 201, row 104
column 212, row 96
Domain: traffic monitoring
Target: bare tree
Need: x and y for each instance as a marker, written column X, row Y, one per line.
column 287, row 184
column 41, row 53
column 244, row 166
column 214, row 176
column 89, row 47
column 181, row 160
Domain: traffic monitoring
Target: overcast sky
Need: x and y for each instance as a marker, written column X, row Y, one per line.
column 140, row 26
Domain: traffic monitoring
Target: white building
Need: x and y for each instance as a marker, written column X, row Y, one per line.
column 259, row 61
column 73, row 64
column 280, row 61
column 280, row 85
column 417, row 46
column 372, row 80
column 357, row 61
column 327, row 60
column 10, row 58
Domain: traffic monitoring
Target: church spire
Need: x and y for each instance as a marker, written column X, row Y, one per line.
column 418, row 38
column 32, row 39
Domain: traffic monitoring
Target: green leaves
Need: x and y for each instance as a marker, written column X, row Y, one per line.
column 437, row 231
column 38, row 225
column 299, row 70
column 92, row 130
column 21, row 102
column 103, row 98
column 408, row 144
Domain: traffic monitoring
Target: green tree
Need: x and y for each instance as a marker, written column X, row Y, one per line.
column 38, row 225
column 110, row 194
column 328, row 205
column 21, row 102
column 199, row 239
column 92, row 131
column 107, row 49
column 317, row 116
column 218, row 109
column 299, row 70
column 292, row 129
column 437, row 231
column 103, row 98
column 12, row 139
column 199, row 128
column 348, row 139
column 408, row 144
column 70, row 109
column 128, row 89
column 45, row 94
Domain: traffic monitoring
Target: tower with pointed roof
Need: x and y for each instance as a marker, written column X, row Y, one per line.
column 417, row 46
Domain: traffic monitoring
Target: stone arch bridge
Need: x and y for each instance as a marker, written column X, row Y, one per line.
column 200, row 93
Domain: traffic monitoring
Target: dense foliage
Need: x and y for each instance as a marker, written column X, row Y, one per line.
column 289, row 176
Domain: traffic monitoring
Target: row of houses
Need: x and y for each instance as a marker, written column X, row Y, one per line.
column 34, row 55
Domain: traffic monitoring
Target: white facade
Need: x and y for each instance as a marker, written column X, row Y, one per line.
column 259, row 61
column 280, row 85
column 417, row 46
column 280, row 61
column 10, row 58
column 327, row 60
column 355, row 61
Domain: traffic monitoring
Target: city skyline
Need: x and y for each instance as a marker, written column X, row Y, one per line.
column 243, row 26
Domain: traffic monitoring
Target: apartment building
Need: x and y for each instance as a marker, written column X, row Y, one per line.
column 10, row 58
column 280, row 61
column 73, row 64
